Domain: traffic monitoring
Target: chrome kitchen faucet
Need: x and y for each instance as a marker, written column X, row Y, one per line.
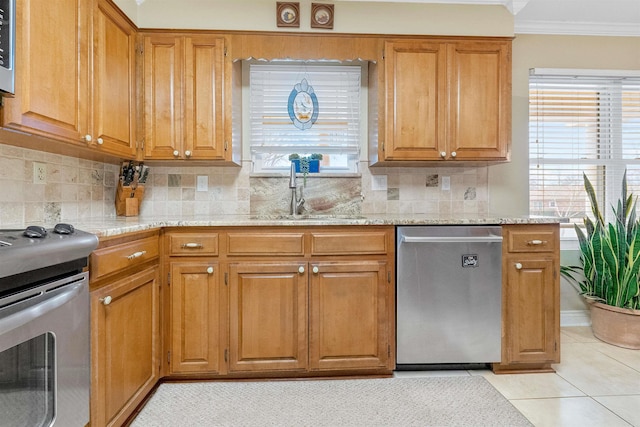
column 297, row 203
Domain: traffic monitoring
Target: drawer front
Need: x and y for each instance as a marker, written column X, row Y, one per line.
column 193, row 244
column 266, row 243
column 349, row 243
column 532, row 240
column 119, row 257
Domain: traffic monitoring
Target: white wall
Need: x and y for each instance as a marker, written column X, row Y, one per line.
column 508, row 183
column 349, row 17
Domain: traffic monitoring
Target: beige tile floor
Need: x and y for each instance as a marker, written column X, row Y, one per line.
column 595, row 384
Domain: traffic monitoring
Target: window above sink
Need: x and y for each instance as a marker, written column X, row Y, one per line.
column 305, row 108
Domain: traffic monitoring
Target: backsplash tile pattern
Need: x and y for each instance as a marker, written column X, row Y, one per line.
column 81, row 189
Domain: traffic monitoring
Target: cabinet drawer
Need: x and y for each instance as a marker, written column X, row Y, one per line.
column 193, row 244
column 119, row 257
column 265, row 243
column 349, row 243
column 543, row 239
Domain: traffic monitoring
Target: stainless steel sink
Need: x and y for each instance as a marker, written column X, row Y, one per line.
column 329, row 217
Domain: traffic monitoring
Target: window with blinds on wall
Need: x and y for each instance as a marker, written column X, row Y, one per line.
column 278, row 129
column 582, row 121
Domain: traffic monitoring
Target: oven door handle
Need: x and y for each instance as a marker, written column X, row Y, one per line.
column 37, row 306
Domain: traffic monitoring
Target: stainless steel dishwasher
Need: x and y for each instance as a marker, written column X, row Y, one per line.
column 449, row 291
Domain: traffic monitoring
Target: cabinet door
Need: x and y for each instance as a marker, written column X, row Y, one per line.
column 124, row 345
column 163, row 71
column 349, row 315
column 531, row 312
column 114, row 109
column 480, row 100
column 204, row 112
column 415, row 100
column 197, row 322
column 52, row 51
column 268, row 316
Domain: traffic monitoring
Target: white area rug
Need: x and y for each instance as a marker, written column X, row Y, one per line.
column 432, row 401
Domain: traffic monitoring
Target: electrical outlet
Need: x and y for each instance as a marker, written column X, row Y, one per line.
column 39, row 173
column 446, row 183
column 202, row 183
column 379, row 182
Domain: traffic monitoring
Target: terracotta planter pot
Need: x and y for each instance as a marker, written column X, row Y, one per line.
column 617, row 326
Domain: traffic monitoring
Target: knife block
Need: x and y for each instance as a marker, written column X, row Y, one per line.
column 128, row 199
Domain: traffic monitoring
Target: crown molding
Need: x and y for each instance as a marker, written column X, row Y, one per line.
column 576, row 28
column 514, row 6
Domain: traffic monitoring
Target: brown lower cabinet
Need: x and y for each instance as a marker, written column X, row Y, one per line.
column 266, row 302
column 531, row 298
column 269, row 301
column 125, row 338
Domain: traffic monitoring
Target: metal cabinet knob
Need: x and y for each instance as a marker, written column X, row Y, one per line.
column 176, row 153
column 210, row 270
column 88, row 138
column 100, row 141
column 301, row 269
column 315, row 269
column 136, row 255
column 187, row 153
column 536, row 242
column 443, row 154
column 106, row 300
column 192, row 245
column 453, row 154
column 518, row 266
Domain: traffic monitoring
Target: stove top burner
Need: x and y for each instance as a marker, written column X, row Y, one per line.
column 35, row 247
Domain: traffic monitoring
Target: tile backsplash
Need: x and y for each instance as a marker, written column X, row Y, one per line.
column 77, row 189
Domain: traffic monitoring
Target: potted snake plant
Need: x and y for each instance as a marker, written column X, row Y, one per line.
column 608, row 274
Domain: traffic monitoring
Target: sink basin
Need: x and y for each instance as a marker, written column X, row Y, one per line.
column 329, row 217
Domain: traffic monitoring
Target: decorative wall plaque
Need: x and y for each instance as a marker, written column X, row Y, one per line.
column 288, row 14
column 321, row 15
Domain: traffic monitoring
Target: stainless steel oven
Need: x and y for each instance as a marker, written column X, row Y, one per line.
column 44, row 329
column 7, row 45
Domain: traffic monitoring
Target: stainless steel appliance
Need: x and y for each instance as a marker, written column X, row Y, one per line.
column 44, row 327
column 449, row 283
column 7, row 45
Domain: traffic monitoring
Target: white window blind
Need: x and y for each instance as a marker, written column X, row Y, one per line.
column 587, row 122
column 336, row 132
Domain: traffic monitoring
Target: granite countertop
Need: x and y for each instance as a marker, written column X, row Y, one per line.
column 115, row 226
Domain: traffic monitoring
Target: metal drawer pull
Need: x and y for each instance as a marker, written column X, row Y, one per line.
column 106, row 300
column 136, row 255
column 537, row 242
column 518, row 266
column 192, row 245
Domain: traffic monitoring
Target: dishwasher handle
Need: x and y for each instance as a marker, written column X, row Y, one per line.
column 451, row 239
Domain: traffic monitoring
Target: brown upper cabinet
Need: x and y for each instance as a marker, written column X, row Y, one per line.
column 184, row 86
column 446, row 100
column 76, row 75
column 88, row 77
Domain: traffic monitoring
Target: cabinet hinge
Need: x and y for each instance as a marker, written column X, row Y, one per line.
column 225, row 145
column 226, row 279
column 383, row 54
column 388, row 350
column 388, row 276
column 382, row 145
column 168, row 357
column 226, row 354
column 168, row 279
column 142, row 144
column 225, row 51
